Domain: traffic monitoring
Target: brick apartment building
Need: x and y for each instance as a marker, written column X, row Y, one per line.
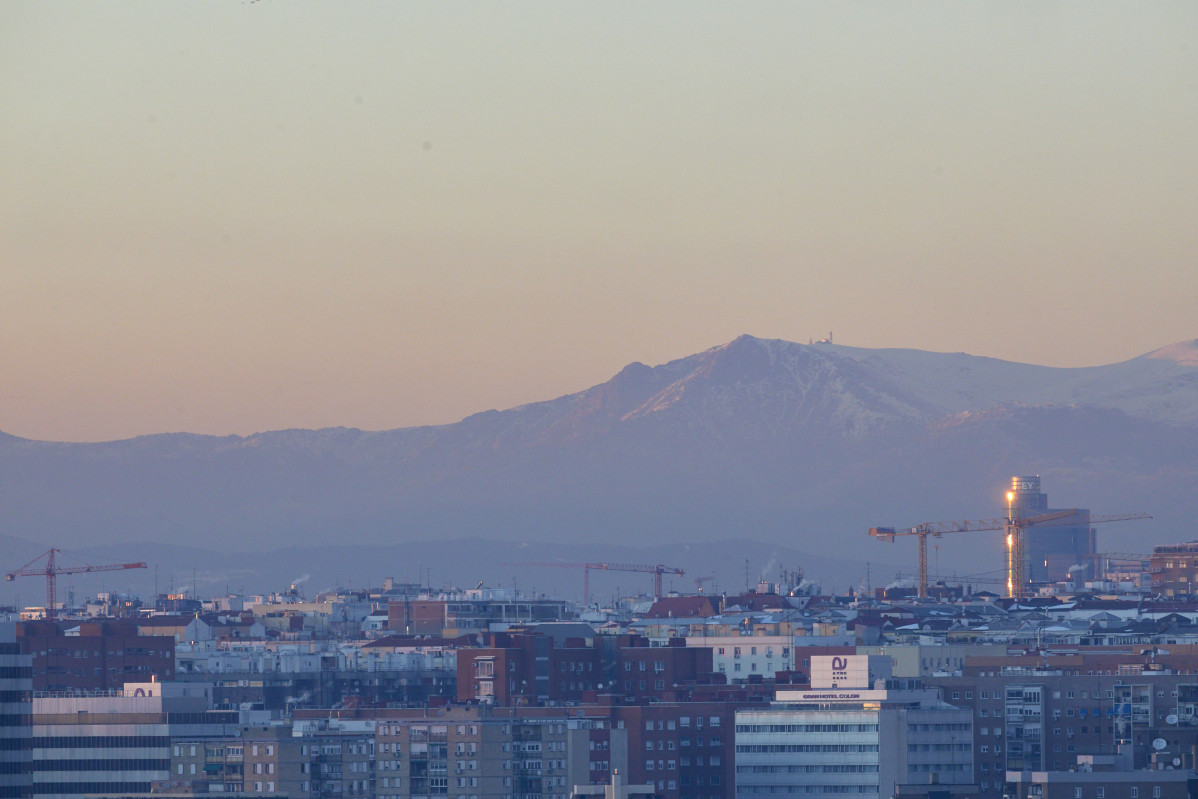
column 1174, row 569
column 98, row 656
column 531, row 669
column 528, row 668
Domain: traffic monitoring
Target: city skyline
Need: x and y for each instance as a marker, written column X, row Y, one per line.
column 257, row 216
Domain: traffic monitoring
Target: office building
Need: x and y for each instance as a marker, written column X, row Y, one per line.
column 16, row 719
column 1064, row 550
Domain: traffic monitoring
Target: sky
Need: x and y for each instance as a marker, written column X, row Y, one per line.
column 230, row 217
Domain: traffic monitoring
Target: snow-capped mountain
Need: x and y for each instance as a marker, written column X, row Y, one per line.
column 802, row 445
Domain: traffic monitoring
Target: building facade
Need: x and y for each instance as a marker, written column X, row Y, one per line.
column 851, row 734
column 16, row 716
column 1059, row 551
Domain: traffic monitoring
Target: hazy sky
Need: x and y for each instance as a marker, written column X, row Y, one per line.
column 227, row 217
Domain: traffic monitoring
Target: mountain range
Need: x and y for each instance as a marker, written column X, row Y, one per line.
column 787, row 445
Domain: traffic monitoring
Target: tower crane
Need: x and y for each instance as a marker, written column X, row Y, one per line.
column 657, row 570
column 51, row 570
column 699, row 581
column 1015, row 524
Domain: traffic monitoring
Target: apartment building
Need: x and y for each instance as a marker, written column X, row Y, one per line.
column 1173, row 569
column 461, row 754
column 740, row 657
column 1039, row 713
column 94, row 656
column 259, row 760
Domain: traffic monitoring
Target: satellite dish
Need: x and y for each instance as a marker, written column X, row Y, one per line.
column 1171, row 718
column 1159, row 744
column 1177, row 761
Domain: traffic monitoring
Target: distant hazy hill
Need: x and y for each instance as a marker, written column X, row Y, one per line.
column 801, row 446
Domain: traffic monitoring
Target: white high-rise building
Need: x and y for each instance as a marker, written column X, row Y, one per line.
column 118, row 744
column 855, row 731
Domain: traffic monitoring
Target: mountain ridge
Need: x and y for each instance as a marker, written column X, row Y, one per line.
column 806, row 445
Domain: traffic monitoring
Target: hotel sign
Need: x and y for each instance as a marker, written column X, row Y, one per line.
column 840, row 671
column 862, row 695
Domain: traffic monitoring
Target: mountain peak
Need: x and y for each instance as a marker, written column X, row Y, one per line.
column 1183, row 352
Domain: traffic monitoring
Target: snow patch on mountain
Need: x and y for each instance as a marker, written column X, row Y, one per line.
column 1183, row 352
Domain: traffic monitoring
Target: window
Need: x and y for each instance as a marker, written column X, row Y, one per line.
column 1135, row 792
column 1101, row 792
column 1077, row 793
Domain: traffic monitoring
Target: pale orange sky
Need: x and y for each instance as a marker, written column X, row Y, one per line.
column 231, row 217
